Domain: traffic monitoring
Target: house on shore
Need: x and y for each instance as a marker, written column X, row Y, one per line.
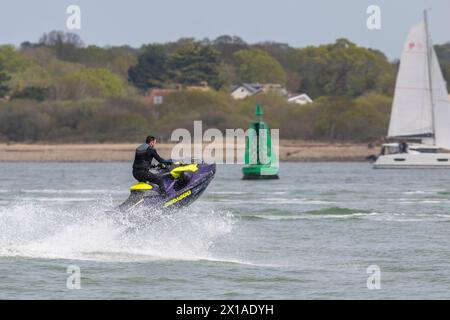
column 246, row 90
column 300, row 99
column 156, row 96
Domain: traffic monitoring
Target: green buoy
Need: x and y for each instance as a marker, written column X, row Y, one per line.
column 260, row 159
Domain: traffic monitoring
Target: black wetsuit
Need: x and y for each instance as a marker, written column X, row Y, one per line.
column 143, row 163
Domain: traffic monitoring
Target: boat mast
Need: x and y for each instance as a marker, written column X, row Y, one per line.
column 430, row 80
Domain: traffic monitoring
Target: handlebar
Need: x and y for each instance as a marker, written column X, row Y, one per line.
column 168, row 165
column 162, row 165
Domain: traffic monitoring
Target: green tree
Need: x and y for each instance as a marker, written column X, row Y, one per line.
column 4, row 89
column 116, row 59
column 446, row 73
column 66, row 45
column 367, row 119
column 24, row 72
column 193, row 63
column 327, row 122
column 25, row 123
column 89, row 82
column 443, row 53
column 277, row 50
column 228, row 45
column 151, row 70
column 362, row 119
column 32, row 93
column 256, row 65
column 342, row 69
column 13, row 60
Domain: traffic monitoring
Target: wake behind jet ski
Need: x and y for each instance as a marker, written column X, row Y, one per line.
column 183, row 184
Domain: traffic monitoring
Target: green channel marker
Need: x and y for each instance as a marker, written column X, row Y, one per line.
column 260, row 159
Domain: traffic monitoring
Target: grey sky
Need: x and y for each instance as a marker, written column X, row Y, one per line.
column 297, row 22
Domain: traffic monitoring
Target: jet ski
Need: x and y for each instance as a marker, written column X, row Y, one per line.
column 184, row 183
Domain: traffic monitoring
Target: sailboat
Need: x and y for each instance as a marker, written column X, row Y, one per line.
column 420, row 117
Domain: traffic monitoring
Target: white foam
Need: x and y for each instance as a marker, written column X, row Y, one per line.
column 40, row 231
column 227, row 192
column 71, row 191
column 318, row 216
column 58, row 199
column 416, row 192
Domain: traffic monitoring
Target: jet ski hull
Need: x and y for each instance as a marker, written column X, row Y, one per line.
column 179, row 193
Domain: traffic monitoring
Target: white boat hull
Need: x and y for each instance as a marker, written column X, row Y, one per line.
column 410, row 161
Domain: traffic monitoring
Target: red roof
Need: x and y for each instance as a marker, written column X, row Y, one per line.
column 151, row 94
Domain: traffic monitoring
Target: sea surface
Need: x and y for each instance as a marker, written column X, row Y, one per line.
column 313, row 234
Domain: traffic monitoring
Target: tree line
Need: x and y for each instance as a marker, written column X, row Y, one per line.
column 59, row 76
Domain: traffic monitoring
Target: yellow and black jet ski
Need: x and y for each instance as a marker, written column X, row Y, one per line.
column 184, row 183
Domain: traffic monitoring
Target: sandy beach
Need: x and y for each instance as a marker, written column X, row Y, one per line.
column 289, row 151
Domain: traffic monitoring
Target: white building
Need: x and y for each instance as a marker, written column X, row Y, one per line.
column 245, row 90
column 300, row 99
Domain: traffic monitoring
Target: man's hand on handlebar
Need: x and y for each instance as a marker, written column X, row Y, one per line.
column 163, row 165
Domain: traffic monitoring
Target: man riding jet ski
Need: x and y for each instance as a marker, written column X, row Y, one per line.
column 167, row 185
column 142, row 164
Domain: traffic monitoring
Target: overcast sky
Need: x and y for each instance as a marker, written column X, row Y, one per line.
column 296, row 22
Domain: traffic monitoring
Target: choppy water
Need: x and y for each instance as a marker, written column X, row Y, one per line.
column 310, row 235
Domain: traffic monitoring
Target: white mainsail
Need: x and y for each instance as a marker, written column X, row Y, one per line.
column 421, row 105
column 411, row 111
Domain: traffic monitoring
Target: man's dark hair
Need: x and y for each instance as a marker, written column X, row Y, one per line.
column 150, row 139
